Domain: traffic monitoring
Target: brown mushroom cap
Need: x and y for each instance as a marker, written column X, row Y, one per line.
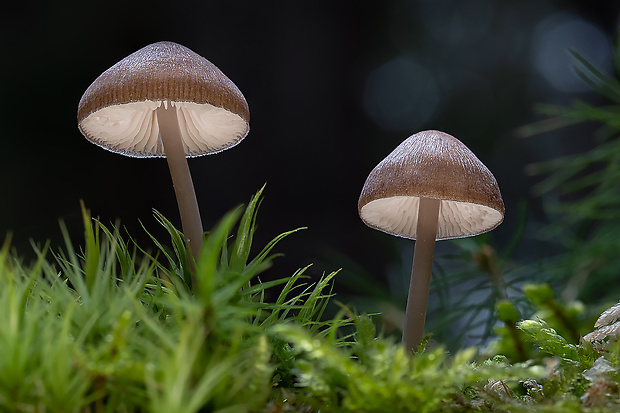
column 117, row 111
column 431, row 164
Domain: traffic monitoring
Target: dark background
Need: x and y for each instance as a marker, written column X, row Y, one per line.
column 333, row 87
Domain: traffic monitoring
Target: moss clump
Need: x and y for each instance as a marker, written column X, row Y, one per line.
column 111, row 327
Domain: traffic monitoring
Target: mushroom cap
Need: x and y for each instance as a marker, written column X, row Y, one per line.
column 431, row 164
column 117, row 111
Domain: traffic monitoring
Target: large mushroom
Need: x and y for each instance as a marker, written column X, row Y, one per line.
column 431, row 187
column 166, row 101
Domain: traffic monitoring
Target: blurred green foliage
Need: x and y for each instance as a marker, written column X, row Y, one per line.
column 512, row 340
column 584, row 211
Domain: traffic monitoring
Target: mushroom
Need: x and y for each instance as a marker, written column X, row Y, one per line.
column 166, row 101
column 431, row 187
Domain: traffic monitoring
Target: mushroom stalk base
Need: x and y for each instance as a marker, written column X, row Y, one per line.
column 419, row 287
column 181, row 177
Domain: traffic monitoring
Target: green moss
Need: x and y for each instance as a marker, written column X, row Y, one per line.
column 113, row 328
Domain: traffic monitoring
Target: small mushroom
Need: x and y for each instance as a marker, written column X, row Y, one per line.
column 166, row 101
column 431, row 187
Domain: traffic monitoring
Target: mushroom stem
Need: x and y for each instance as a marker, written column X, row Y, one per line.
column 181, row 177
column 419, row 286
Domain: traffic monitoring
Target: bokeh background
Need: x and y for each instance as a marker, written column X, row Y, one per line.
column 333, row 87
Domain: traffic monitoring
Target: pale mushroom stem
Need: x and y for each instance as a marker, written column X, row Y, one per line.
column 181, row 177
column 419, row 287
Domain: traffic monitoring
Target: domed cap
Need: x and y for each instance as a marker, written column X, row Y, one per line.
column 117, row 111
column 431, row 164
